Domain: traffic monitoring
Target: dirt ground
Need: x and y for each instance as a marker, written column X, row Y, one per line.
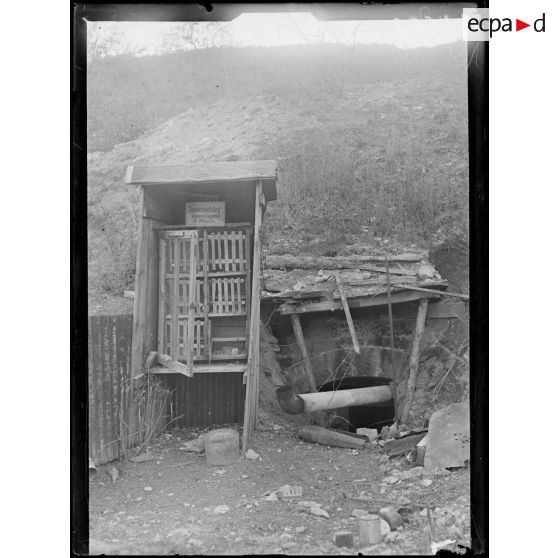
column 168, row 505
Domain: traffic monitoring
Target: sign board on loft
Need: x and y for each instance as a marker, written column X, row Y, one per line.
column 205, row 214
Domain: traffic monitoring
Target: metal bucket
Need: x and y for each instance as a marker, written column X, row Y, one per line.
column 222, row 446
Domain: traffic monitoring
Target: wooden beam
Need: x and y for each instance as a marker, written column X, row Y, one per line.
column 299, row 337
column 414, row 360
column 309, row 373
column 339, row 262
column 174, row 366
column 253, row 369
column 192, row 303
column 392, row 343
column 203, row 369
column 355, row 302
column 444, row 293
column 138, row 327
column 347, row 313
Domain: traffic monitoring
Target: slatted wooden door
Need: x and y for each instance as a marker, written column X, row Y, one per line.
column 178, row 253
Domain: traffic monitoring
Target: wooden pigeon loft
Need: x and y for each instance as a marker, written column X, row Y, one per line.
column 196, row 308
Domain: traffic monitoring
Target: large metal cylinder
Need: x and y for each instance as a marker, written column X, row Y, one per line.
column 323, row 400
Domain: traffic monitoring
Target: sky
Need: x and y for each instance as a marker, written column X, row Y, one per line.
column 276, row 29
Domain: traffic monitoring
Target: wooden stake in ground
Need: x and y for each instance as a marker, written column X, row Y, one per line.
column 347, row 313
column 414, row 360
column 299, row 337
column 390, row 317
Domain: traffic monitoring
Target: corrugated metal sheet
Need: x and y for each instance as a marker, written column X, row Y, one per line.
column 110, row 340
column 207, row 399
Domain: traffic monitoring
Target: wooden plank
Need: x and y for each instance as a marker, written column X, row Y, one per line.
column 248, row 284
column 219, row 263
column 211, row 260
column 250, row 406
column 391, row 341
column 347, row 313
column 354, row 302
column 414, row 360
column 140, row 310
column 205, row 268
column 202, row 369
column 162, row 280
column 234, row 257
column 338, row 262
column 175, row 302
column 299, row 337
column 226, row 251
column 403, row 445
column 191, row 302
column 242, row 266
column 225, row 282
column 207, row 171
column 443, row 293
column 237, row 225
column 172, row 365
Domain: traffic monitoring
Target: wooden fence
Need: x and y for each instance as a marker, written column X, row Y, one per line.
column 110, row 343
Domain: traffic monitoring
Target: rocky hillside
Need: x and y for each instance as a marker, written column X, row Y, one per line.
column 371, row 143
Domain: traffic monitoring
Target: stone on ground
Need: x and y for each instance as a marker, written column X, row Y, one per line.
column 448, row 442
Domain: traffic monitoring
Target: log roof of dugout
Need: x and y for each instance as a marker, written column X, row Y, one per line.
column 208, row 172
column 302, row 284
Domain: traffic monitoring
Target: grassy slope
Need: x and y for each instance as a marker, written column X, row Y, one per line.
column 371, row 142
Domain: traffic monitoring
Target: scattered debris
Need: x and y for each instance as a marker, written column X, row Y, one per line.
column 370, row 433
column 437, row 546
column 358, row 512
column 313, row 508
column 391, row 480
column 252, row 455
column 392, row 517
column 141, row 458
column 221, row 509
column 421, row 450
column 426, row 482
column 319, row 512
column 402, row 445
column 448, row 437
column 180, row 464
column 114, row 473
column 196, row 446
column 272, row 497
column 219, row 472
column 343, row 538
column 384, row 434
column 330, row 437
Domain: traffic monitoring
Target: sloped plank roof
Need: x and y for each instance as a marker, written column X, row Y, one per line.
column 207, row 172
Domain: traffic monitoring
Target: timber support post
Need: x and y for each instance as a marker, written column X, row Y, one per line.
column 414, row 360
column 309, row 374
